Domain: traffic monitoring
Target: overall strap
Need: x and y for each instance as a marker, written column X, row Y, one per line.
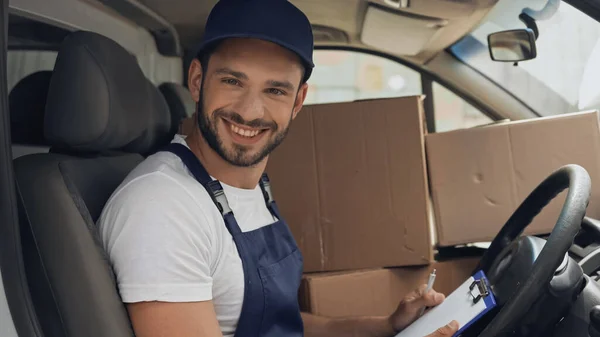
column 213, row 187
column 191, row 161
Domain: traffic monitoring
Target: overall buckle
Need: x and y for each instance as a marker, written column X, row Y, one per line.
column 265, row 185
column 218, row 195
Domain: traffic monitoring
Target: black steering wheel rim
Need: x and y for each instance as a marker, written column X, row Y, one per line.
column 577, row 180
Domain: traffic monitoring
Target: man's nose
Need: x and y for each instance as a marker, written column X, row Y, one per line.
column 250, row 106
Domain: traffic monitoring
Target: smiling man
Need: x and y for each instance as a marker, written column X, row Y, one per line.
column 198, row 246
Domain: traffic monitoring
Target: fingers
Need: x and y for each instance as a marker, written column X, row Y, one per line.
column 446, row 331
column 410, row 307
column 422, row 298
column 431, row 298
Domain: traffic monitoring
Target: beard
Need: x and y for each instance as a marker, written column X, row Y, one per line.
column 237, row 155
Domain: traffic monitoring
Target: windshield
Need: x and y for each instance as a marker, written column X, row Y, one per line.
column 562, row 78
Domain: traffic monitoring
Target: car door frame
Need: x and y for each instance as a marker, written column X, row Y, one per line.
column 22, row 320
column 477, row 90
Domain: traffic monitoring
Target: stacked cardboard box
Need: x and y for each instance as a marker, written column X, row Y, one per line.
column 353, row 182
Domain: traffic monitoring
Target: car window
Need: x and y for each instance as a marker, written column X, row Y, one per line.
column 563, row 77
column 453, row 112
column 23, row 63
column 343, row 76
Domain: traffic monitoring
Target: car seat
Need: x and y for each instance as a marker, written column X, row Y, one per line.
column 180, row 102
column 102, row 117
column 27, row 102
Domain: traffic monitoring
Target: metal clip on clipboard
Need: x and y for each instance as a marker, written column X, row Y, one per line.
column 481, row 288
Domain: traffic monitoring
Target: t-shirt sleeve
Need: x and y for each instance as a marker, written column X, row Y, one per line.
column 159, row 241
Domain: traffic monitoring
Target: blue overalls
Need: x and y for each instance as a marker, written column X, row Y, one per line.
column 271, row 261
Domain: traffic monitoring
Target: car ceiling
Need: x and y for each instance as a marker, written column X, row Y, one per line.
column 416, row 33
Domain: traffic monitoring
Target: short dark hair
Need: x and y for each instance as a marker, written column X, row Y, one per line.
column 204, row 57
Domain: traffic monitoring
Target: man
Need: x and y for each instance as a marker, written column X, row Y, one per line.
column 198, row 246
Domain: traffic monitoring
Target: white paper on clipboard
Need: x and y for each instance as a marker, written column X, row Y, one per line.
column 467, row 304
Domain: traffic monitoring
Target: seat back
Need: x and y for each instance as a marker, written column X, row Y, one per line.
column 102, row 118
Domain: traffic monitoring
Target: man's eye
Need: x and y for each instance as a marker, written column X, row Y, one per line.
column 231, row 81
column 276, row 91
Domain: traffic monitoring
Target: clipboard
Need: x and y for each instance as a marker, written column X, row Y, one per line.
column 466, row 305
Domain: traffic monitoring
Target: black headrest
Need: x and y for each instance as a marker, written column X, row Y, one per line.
column 180, row 102
column 99, row 100
column 27, row 102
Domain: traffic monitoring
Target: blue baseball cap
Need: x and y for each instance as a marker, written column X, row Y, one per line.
column 277, row 21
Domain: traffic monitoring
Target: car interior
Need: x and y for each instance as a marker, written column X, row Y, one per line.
column 99, row 85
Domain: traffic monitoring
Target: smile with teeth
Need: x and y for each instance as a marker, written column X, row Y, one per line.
column 244, row 132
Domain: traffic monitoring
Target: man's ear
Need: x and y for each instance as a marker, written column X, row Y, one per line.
column 300, row 97
column 195, row 79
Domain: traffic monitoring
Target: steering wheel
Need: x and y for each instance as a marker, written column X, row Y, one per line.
column 577, row 179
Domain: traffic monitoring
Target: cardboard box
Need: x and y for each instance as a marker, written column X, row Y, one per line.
column 480, row 176
column 350, row 180
column 376, row 291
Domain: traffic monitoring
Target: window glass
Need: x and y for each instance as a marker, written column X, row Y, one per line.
column 452, row 112
column 342, row 76
column 23, row 63
column 563, row 76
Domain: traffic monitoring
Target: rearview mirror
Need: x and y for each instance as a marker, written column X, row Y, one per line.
column 512, row 45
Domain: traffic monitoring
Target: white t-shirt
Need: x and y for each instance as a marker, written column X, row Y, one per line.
column 167, row 241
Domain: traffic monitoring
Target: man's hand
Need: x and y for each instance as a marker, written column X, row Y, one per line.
column 384, row 326
column 446, row 331
column 410, row 307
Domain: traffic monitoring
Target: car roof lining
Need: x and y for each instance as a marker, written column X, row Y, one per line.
column 26, row 34
column 164, row 33
column 340, row 21
column 178, row 25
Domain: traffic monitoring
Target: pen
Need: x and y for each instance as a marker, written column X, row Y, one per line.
column 429, row 287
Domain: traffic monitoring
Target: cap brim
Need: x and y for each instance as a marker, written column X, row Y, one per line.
column 209, row 42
